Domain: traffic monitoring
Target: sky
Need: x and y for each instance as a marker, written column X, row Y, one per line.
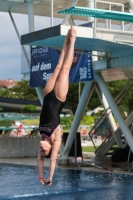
column 10, row 48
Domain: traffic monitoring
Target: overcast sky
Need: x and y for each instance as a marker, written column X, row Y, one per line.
column 10, row 48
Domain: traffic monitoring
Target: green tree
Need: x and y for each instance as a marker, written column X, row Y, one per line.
column 29, row 108
column 5, row 92
column 23, row 91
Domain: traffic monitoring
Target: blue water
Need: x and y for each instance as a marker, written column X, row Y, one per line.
column 21, row 182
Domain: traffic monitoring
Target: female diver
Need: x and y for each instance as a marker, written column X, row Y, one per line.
column 55, row 93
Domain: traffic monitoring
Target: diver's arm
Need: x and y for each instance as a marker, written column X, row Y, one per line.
column 40, row 162
column 55, row 149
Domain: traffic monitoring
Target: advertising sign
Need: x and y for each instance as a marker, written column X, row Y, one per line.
column 45, row 59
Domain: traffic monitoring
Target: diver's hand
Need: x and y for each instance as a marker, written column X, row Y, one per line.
column 42, row 180
column 48, row 182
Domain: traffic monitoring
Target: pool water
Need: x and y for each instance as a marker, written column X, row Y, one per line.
column 21, row 182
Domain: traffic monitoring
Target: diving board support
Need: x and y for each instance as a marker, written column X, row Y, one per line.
column 51, row 11
column 71, row 21
column 109, row 116
column 39, row 90
column 115, row 110
column 86, row 94
column 18, row 35
column 68, row 15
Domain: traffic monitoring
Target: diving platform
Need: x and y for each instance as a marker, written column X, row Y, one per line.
column 112, row 69
column 54, row 37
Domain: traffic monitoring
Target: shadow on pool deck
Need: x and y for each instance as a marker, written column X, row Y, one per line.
column 90, row 162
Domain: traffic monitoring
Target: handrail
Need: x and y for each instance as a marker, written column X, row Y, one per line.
column 110, row 4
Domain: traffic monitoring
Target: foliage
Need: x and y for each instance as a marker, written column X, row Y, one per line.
column 23, row 91
column 126, row 103
column 28, row 122
column 5, row 123
column 66, row 120
column 20, row 91
column 87, row 120
column 73, row 95
column 94, row 101
column 29, row 108
column 88, row 149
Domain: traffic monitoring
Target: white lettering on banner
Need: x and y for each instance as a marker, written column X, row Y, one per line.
column 46, row 76
column 35, row 68
column 39, row 50
column 45, row 66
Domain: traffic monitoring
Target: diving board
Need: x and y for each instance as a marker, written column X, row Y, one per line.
column 98, row 13
column 54, row 37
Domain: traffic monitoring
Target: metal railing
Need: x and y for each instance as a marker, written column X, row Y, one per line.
column 110, row 5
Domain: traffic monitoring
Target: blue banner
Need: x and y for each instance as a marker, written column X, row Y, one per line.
column 45, row 59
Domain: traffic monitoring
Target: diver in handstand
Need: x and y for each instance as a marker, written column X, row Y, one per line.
column 55, row 93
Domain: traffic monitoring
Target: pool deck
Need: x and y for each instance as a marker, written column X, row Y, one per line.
column 90, row 162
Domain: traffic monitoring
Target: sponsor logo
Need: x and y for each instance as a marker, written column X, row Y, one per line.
column 35, row 68
column 45, row 66
column 40, row 50
column 46, row 76
column 41, row 67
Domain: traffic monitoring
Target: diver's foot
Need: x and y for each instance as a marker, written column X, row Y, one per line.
column 73, row 33
column 68, row 37
column 47, row 183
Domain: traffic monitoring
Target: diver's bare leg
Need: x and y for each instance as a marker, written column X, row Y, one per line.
column 62, row 83
column 51, row 82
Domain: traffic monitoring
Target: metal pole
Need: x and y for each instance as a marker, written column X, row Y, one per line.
column 109, row 19
column 51, row 13
column 23, row 48
column 92, row 4
column 79, row 90
column 39, row 90
column 30, row 16
column 109, row 116
column 95, row 21
column 78, row 116
column 76, row 148
column 67, row 16
column 122, row 23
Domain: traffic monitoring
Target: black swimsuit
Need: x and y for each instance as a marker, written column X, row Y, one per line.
column 50, row 114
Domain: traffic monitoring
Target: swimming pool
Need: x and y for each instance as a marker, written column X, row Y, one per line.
column 21, row 182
